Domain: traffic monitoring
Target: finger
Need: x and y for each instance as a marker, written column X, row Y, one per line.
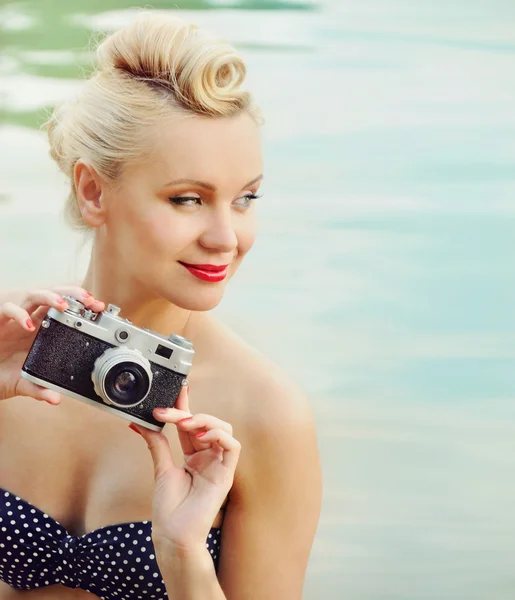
column 176, row 414
column 159, row 449
column 54, row 298
column 18, row 314
column 201, row 421
column 39, row 314
column 228, row 443
column 180, row 409
column 82, row 295
column 28, row 388
column 182, row 402
column 96, row 305
column 170, row 415
column 45, row 298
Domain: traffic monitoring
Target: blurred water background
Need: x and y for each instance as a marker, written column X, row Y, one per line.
column 382, row 277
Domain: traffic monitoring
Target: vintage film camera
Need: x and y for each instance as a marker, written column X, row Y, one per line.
column 106, row 361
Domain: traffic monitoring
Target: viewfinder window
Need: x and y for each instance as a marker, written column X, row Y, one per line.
column 164, row 351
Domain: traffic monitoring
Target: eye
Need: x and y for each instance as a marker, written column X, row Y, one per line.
column 185, row 200
column 246, row 201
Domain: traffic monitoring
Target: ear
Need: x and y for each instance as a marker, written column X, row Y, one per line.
column 89, row 188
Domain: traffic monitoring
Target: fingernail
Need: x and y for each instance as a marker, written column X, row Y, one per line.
column 61, row 301
column 161, row 411
column 199, row 435
column 88, row 295
column 133, row 427
column 30, row 324
column 186, row 419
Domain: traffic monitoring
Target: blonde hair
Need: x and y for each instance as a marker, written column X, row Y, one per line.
column 154, row 65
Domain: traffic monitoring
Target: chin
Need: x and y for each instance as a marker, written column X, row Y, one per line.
column 200, row 301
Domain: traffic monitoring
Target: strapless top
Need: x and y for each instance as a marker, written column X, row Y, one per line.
column 113, row 562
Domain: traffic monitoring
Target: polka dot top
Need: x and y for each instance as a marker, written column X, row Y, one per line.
column 114, row 562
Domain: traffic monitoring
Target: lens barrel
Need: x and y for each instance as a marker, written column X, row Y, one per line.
column 122, row 377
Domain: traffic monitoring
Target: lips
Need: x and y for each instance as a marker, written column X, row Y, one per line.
column 210, row 273
column 208, row 268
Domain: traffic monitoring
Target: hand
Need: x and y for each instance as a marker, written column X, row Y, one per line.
column 187, row 498
column 18, row 328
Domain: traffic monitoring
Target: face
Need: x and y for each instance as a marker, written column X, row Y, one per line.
column 181, row 222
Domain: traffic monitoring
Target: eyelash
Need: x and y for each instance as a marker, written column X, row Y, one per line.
column 182, row 200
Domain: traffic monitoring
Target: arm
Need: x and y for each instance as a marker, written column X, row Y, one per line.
column 187, row 575
column 274, row 499
column 274, row 505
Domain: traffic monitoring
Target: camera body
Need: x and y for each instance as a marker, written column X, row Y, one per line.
column 108, row 362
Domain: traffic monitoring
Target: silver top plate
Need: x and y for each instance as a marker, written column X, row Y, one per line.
column 113, row 329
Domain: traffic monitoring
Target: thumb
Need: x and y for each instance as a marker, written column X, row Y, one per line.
column 28, row 388
column 159, row 449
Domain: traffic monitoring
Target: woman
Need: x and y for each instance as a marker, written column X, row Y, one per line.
column 163, row 153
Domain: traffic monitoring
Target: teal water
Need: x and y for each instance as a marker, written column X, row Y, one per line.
column 383, row 276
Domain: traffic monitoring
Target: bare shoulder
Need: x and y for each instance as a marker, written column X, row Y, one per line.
column 260, row 392
column 273, row 507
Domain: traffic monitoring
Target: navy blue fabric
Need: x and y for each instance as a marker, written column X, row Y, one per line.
column 114, row 562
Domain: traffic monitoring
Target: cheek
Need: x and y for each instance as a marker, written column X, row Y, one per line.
column 246, row 237
column 158, row 232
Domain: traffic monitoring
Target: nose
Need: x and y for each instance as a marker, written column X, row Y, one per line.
column 219, row 233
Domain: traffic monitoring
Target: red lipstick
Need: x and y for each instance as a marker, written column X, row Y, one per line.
column 211, row 273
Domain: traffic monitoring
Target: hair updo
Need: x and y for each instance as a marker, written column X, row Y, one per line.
column 154, row 65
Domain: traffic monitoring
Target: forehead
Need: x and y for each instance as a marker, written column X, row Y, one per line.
column 221, row 151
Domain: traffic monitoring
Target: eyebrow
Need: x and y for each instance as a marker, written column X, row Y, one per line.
column 209, row 186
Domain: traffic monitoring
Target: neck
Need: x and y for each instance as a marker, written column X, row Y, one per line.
column 138, row 304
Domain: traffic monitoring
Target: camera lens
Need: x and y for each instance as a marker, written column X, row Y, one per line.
column 126, row 383
column 122, row 377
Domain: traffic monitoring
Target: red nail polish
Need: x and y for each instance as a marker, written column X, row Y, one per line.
column 133, row 427
column 30, row 324
column 199, row 435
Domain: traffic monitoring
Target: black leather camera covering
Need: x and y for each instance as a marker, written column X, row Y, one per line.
column 65, row 357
